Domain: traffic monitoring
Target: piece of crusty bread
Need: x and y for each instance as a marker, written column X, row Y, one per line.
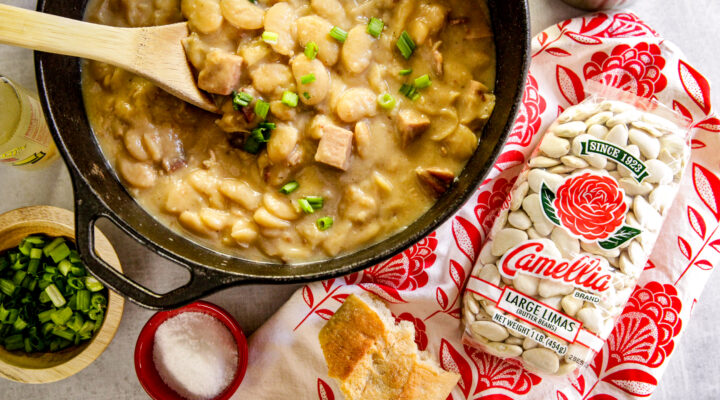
column 375, row 359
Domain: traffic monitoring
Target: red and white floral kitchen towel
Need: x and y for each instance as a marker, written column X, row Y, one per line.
column 423, row 284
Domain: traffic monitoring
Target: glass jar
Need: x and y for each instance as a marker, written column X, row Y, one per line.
column 25, row 141
column 597, row 5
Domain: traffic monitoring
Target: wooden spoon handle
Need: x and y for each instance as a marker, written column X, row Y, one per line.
column 53, row 34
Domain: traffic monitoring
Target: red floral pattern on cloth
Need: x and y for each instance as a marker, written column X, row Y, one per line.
column 489, row 203
column 590, row 206
column 636, row 69
column 528, row 120
column 644, row 333
column 424, row 283
column 405, row 271
column 421, row 338
column 642, row 339
column 485, row 375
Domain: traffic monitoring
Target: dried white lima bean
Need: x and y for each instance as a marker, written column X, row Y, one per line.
column 570, row 129
column 518, row 219
column 489, row 330
column 553, row 146
column 543, row 162
column 571, row 305
column 526, row 284
column 506, row 239
column 504, row 350
column 542, row 359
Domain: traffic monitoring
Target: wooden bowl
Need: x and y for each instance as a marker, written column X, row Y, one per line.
column 51, row 367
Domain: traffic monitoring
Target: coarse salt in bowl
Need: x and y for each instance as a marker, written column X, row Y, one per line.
column 154, row 378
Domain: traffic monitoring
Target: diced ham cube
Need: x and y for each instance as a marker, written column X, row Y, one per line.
column 221, row 72
column 335, row 147
column 436, row 179
column 411, row 124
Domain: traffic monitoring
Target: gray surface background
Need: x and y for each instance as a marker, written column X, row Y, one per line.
column 694, row 367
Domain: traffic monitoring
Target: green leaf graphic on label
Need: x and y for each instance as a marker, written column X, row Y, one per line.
column 547, row 197
column 621, row 236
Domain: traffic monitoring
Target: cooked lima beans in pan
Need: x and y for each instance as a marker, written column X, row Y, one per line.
column 341, row 121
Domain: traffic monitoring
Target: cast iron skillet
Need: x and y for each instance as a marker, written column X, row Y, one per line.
column 99, row 193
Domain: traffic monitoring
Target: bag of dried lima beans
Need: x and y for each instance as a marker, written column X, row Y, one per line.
column 567, row 248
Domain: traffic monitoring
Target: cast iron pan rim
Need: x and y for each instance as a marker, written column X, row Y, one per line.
column 227, row 277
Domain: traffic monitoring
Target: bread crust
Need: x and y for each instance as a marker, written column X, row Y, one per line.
column 375, row 359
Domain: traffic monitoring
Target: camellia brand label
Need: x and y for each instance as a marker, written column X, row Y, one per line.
column 528, row 331
column 617, row 154
column 539, row 314
column 586, row 272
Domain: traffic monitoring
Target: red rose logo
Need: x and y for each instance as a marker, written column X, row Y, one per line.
column 590, row 206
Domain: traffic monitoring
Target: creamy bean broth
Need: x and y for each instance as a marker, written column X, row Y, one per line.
column 365, row 168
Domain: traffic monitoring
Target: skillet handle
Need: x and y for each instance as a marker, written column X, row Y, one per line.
column 203, row 281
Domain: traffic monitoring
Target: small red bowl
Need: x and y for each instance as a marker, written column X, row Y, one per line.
column 145, row 368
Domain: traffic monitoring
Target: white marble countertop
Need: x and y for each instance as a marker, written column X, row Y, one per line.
column 691, row 24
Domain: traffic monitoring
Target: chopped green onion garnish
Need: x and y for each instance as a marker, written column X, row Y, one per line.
column 63, row 333
column 86, row 328
column 75, row 283
column 305, row 206
column 311, row 50
column 35, row 254
column 375, row 27
column 289, row 187
column 65, row 266
column 60, row 252
column 35, row 240
column 406, row 45
column 96, row 315
column 47, row 295
column 82, row 301
column 60, row 317
column 409, row 91
column 289, row 98
column 18, row 277
column 338, row 34
column 270, row 37
column 386, row 101
column 324, row 223
column 262, row 108
column 43, row 297
column 315, row 201
column 56, row 242
column 241, row 99
column 306, row 95
column 309, row 78
column 55, row 296
column 75, row 323
column 7, row 287
column 44, row 316
column 19, row 324
column 423, row 82
column 404, row 72
column 98, row 301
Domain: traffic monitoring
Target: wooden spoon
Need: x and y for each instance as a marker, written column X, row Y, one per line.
column 155, row 53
